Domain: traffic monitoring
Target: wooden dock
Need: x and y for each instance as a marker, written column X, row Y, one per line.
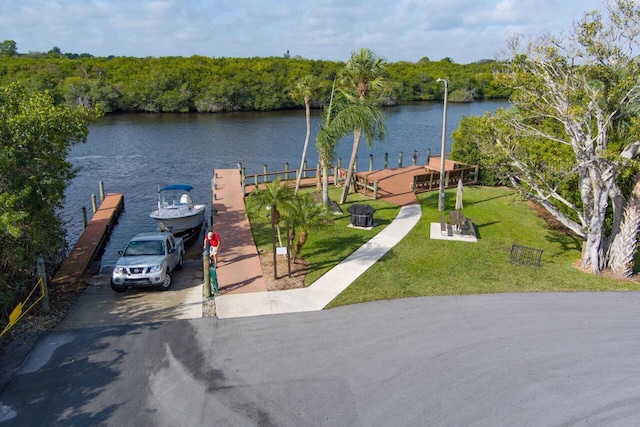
column 239, row 269
column 91, row 241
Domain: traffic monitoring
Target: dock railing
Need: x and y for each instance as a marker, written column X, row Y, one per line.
column 430, row 180
column 310, row 177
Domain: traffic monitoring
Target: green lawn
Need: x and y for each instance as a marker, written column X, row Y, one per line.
column 419, row 266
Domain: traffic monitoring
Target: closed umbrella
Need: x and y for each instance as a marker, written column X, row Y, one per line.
column 459, row 196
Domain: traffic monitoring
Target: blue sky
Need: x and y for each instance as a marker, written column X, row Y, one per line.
column 403, row 30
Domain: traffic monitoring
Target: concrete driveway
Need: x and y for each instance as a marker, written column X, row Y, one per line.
column 537, row 359
column 99, row 305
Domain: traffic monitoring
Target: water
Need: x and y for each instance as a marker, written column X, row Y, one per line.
column 135, row 154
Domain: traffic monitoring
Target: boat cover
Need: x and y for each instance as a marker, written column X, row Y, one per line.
column 182, row 187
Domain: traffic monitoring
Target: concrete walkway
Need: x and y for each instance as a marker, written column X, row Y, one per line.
column 327, row 287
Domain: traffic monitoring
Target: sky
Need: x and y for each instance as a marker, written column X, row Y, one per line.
column 397, row 30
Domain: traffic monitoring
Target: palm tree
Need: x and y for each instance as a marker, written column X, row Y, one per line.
column 306, row 88
column 364, row 71
column 273, row 197
column 326, row 144
column 305, row 214
column 338, row 120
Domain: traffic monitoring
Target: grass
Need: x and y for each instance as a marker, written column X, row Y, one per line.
column 419, row 266
column 327, row 246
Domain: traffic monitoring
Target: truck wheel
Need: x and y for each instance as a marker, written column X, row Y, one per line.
column 166, row 285
column 119, row 288
column 180, row 262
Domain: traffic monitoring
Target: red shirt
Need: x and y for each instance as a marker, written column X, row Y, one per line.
column 214, row 241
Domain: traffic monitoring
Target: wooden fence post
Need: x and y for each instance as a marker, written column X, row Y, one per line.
column 42, row 275
column 207, row 278
column 84, row 217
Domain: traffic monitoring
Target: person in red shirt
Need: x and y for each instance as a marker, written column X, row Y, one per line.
column 212, row 240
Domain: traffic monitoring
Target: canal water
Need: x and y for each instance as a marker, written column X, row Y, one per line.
column 137, row 154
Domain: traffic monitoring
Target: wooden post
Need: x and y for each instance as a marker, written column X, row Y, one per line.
column 84, row 217
column 400, row 159
column 255, row 182
column 101, row 185
column 304, row 170
column 366, row 184
column 42, row 275
column 207, row 278
column 415, row 157
column 318, row 179
column 386, row 160
column 286, row 170
column 265, row 173
column 94, row 206
column 375, row 190
column 428, row 156
column 288, row 251
column 273, row 242
column 476, row 173
column 370, row 162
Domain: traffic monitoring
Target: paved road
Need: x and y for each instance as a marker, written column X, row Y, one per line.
column 486, row 360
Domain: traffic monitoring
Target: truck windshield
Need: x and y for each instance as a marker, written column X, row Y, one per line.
column 140, row 248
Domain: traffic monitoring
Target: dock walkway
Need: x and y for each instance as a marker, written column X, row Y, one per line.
column 91, row 240
column 239, row 269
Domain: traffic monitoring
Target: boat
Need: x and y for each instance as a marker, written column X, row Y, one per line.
column 176, row 211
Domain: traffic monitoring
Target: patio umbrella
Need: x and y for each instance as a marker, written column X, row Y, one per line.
column 459, row 196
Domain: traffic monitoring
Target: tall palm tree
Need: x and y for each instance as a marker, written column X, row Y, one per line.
column 363, row 72
column 306, row 88
column 326, row 144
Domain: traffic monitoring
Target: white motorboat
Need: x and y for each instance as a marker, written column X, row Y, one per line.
column 176, row 211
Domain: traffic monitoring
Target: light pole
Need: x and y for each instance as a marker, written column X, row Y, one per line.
column 442, row 150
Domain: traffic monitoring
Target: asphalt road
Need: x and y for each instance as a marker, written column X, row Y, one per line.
column 544, row 359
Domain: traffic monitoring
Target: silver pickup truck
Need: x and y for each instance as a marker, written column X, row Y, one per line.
column 148, row 260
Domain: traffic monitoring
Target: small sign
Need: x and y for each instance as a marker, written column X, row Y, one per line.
column 281, row 250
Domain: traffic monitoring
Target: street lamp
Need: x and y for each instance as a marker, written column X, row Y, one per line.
column 442, row 150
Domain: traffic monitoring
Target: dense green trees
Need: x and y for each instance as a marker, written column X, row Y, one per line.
column 203, row 84
column 35, row 136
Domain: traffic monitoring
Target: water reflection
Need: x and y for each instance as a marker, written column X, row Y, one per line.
column 135, row 154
